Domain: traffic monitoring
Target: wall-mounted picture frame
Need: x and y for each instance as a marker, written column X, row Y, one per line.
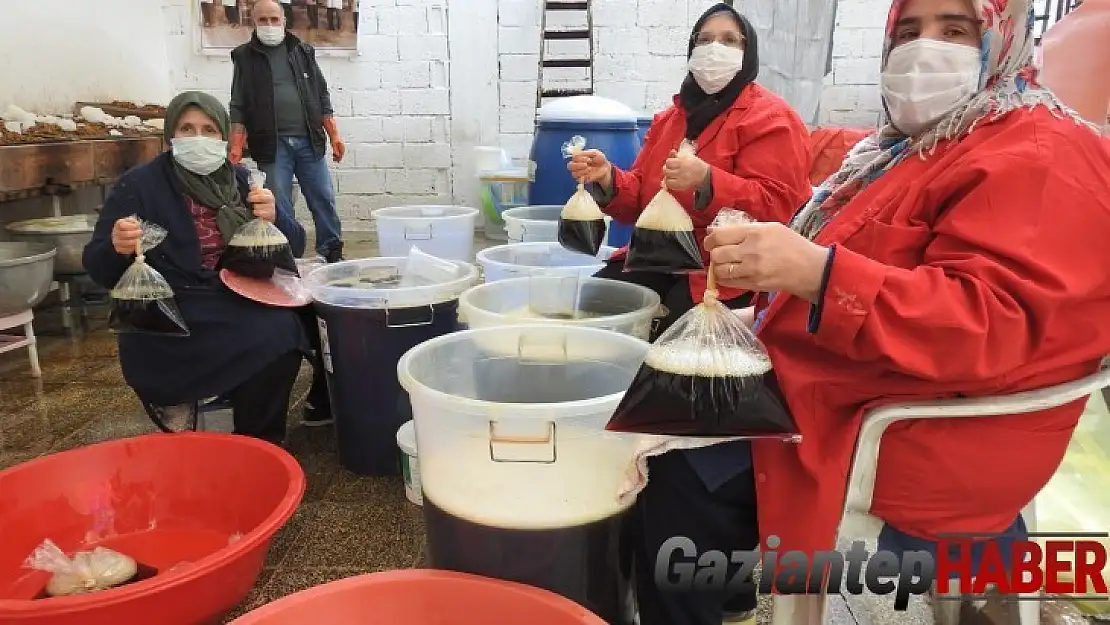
column 331, row 26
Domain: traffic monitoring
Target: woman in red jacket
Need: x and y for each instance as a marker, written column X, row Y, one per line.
column 958, row 252
column 752, row 154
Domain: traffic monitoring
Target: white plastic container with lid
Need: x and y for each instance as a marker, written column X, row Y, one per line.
column 518, row 260
column 571, row 300
column 410, row 465
column 443, row 231
column 514, row 457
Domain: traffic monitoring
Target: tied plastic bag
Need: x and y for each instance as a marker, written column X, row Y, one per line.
column 258, row 247
column 142, row 300
column 581, row 224
column 707, row 375
column 663, row 237
column 87, row 571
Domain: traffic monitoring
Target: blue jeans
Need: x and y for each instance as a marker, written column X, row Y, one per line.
column 295, row 157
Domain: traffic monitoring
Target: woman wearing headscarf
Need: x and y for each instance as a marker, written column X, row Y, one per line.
column 237, row 348
column 960, row 251
column 751, row 153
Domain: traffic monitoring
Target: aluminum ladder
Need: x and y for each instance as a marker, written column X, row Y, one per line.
column 568, row 87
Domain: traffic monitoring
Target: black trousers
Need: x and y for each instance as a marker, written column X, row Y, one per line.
column 676, row 502
column 313, row 14
column 317, row 395
column 261, row 404
column 335, row 19
column 288, row 8
column 232, row 15
column 673, row 290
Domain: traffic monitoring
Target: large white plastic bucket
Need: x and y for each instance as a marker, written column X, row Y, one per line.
column 443, row 231
column 510, row 424
column 410, row 466
column 519, row 260
column 532, row 224
column 581, row 302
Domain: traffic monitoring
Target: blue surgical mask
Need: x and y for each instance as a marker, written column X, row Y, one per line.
column 200, row 155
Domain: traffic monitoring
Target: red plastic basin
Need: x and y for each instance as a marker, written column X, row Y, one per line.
column 422, row 597
column 204, row 505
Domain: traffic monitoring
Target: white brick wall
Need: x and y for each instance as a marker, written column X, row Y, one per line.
column 640, row 57
column 414, row 102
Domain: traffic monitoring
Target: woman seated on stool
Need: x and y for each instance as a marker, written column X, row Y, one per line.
column 238, row 349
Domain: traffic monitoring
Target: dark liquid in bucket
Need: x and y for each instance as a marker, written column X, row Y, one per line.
column 664, row 251
column 367, row 401
column 665, row 403
column 580, row 562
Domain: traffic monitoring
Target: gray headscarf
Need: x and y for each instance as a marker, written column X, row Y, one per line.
column 218, row 190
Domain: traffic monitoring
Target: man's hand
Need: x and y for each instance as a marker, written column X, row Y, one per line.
column 237, row 143
column 338, row 148
column 263, row 203
column 767, row 257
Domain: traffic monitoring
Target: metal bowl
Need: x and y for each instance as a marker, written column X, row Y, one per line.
column 69, row 235
column 26, row 271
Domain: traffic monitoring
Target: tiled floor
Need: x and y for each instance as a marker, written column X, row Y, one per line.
column 347, row 525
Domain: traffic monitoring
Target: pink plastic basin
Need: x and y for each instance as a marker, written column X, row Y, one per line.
column 421, row 597
column 200, row 508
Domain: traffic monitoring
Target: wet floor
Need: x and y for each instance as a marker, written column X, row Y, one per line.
column 347, row 525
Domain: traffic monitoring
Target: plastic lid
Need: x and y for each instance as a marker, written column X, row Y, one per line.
column 375, row 283
column 427, row 211
column 586, row 108
column 70, row 224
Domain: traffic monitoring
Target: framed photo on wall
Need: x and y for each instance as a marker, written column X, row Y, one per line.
column 331, row 26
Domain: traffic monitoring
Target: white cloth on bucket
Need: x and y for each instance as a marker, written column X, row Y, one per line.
column 636, row 477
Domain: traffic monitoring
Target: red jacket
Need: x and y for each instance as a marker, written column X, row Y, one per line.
column 759, row 154
column 827, row 149
column 979, row 271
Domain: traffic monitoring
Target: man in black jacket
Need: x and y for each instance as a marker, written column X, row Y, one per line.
column 281, row 112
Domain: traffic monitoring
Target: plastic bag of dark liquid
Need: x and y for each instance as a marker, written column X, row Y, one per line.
column 258, row 247
column 581, row 224
column 87, row 571
column 707, row 375
column 663, row 237
column 142, row 300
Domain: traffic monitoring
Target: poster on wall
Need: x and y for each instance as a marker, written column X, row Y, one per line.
column 331, row 26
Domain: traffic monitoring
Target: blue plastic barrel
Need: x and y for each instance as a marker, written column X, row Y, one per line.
column 606, row 125
column 642, row 125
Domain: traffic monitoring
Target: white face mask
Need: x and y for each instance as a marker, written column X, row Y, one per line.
column 270, row 35
column 714, row 65
column 200, row 155
column 925, row 79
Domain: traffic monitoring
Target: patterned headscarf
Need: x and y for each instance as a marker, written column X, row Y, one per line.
column 1008, row 81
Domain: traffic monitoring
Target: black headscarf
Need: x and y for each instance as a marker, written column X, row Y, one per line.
column 218, row 190
column 702, row 108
